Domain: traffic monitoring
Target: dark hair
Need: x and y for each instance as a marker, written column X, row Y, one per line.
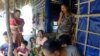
column 52, row 45
column 25, row 42
column 41, row 31
column 68, row 8
column 32, row 38
column 65, row 39
column 17, row 11
column 5, row 33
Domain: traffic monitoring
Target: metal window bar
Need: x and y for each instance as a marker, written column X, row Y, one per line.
column 78, row 12
column 86, row 15
column 88, row 45
column 80, row 43
column 85, row 2
column 89, row 32
column 87, row 28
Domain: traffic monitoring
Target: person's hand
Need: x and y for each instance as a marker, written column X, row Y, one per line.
column 60, row 17
column 1, row 54
column 61, row 14
column 19, row 53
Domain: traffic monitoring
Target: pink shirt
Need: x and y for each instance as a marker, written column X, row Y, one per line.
column 19, row 49
column 14, row 22
column 40, row 41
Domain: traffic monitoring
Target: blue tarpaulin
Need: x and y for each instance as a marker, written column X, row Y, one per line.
column 82, row 23
column 93, row 31
column 92, row 52
column 93, row 40
column 95, row 7
column 94, row 24
column 84, row 8
column 81, row 37
column 80, row 48
column 83, row 1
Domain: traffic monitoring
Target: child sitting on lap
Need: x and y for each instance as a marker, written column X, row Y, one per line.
column 22, row 50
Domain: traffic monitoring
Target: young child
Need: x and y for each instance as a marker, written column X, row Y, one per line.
column 35, row 48
column 4, row 47
column 22, row 50
column 32, row 41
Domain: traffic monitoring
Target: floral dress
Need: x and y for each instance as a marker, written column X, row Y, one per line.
column 66, row 26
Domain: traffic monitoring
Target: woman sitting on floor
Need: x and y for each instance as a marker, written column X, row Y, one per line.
column 41, row 38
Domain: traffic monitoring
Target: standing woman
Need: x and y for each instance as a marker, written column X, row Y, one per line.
column 16, row 25
column 65, row 21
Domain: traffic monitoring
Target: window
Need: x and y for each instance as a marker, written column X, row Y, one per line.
column 55, row 26
column 88, row 27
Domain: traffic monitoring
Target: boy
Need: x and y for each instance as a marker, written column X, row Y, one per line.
column 4, row 47
column 22, row 50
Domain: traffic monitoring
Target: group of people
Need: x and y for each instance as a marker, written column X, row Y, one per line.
column 60, row 47
column 42, row 45
column 16, row 26
column 21, row 50
column 63, row 44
